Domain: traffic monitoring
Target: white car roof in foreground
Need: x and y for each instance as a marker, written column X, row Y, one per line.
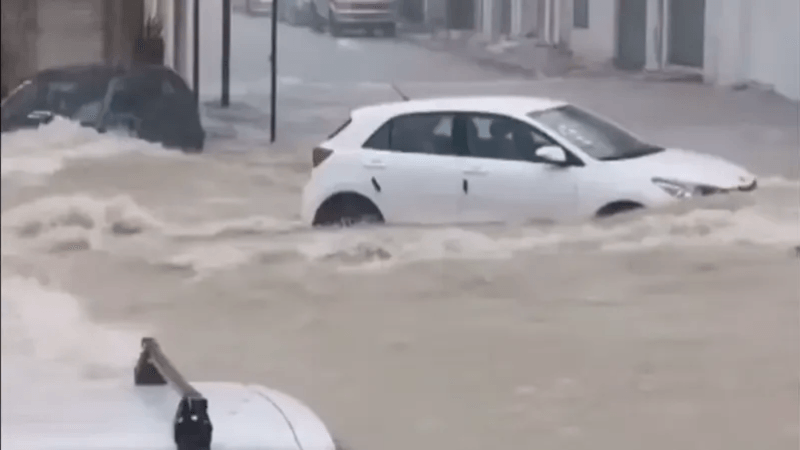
column 142, row 415
column 513, row 105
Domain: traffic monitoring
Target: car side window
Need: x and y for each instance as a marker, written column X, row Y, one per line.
column 167, row 88
column 21, row 101
column 416, row 133
column 500, row 137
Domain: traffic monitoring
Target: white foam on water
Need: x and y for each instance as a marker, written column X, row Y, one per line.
column 46, row 150
column 348, row 44
column 377, row 248
column 49, row 342
column 210, row 258
column 79, row 221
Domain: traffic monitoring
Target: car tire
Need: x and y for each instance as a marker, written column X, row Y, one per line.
column 617, row 208
column 347, row 209
column 334, row 26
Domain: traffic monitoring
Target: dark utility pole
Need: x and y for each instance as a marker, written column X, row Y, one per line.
column 196, row 46
column 226, row 53
column 274, row 61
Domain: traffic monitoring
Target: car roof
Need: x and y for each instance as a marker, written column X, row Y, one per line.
column 94, row 70
column 514, row 105
column 109, row 416
column 367, row 119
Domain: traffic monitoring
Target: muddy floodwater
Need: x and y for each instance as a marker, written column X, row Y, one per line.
column 661, row 331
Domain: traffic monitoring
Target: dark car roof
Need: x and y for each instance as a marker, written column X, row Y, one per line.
column 96, row 70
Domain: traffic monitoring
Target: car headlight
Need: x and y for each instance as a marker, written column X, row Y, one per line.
column 679, row 189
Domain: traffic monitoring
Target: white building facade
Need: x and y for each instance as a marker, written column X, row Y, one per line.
column 177, row 18
column 726, row 41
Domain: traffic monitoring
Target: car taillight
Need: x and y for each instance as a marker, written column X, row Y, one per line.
column 319, row 155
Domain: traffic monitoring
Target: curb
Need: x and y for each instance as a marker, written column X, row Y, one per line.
column 481, row 60
column 507, row 67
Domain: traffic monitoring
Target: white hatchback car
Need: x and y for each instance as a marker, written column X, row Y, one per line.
column 498, row 159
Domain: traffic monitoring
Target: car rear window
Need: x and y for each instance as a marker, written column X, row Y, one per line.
column 340, row 129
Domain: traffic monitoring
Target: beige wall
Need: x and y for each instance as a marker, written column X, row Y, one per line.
column 19, row 41
column 69, row 32
column 38, row 34
column 122, row 25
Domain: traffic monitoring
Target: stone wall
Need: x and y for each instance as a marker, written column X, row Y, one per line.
column 18, row 41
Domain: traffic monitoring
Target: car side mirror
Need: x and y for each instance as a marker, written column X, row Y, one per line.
column 41, row 116
column 553, row 154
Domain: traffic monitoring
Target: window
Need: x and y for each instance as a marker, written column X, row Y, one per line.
column 20, row 101
column 580, row 14
column 499, row 137
column 597, row 137
column 167, row 88
column 416, row 133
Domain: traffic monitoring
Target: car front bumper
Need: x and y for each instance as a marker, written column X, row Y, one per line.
column 261, row 8
column 357, row 17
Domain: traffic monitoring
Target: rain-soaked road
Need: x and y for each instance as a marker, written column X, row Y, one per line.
column 661, row 331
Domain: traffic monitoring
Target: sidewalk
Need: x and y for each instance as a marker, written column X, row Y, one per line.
column 524, row 57
column 528, row 57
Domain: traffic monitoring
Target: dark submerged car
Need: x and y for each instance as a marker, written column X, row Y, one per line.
column 149, row 102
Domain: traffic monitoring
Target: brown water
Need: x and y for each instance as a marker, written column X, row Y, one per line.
column 671, row 330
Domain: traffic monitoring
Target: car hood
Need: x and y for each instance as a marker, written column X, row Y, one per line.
column 690, row 167
column 245, row 417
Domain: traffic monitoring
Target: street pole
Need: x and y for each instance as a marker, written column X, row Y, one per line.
column 274, row 61
column 196, row 48
column 226, row 53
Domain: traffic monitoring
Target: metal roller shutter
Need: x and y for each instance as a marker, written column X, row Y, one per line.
column 70, row 32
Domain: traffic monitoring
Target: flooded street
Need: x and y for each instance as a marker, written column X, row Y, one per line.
column 660, row 331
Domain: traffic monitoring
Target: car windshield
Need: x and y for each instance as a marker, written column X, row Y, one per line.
column 598, row 138
column 76, row 99
column 73, row 98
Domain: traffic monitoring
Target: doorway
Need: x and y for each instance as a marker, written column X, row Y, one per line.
column 179, row 36
column 413, row 11
column 686, row 39
column 505, row 17
column 460, row 14
column 631, row 35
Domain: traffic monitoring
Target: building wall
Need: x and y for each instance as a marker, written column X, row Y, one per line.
column 597, row 43
column 40, row 34
column 745, row 40
column 754, row 41
column 164, row 11
column 19, row 26
column 210, row 45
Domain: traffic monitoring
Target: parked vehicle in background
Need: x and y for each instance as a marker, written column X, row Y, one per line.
column 498, row 159
column 149, row 102
column 259, row 7
column 371, row 15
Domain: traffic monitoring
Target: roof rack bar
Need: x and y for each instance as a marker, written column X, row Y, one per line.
column 192, row 425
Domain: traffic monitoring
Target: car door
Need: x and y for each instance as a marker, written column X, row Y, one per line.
column 413, row 167
column 121, row 107
column 505, row 181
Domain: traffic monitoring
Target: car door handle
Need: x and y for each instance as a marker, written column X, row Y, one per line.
column 475, row 171
column 375, row 163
